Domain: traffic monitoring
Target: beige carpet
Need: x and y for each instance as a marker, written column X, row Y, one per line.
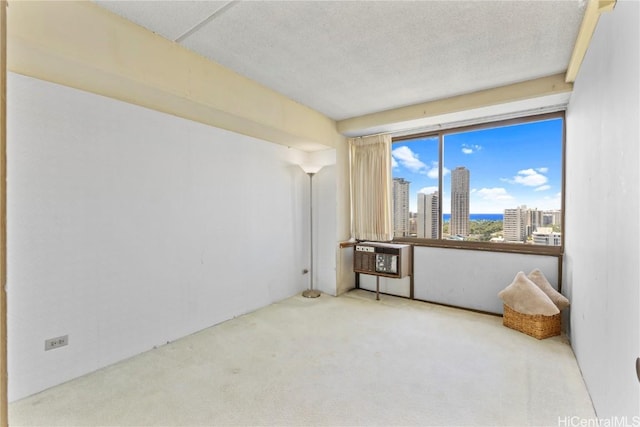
column 340, row 361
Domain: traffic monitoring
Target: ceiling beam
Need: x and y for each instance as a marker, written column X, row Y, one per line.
column 606, row 5
column 591, row 15
column 82, row 45
column 414, row 116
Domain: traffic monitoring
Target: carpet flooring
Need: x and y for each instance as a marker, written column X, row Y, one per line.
column 345, row 361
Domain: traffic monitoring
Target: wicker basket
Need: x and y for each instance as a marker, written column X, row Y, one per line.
column 537, row 326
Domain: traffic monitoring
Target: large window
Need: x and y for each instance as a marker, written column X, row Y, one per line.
column 497, row 183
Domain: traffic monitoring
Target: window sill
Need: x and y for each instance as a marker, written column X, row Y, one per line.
column 484, row 246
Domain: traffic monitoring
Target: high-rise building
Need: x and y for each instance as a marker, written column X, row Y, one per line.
column 546, row 218
column 534, row 220
column 515, row 224
column 413, row 226
column 400, row 207
column 428, row 215
column 459, row 224
column 552, row 217
column 546, row 236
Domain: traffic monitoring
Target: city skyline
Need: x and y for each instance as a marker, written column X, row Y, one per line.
column 510, row 166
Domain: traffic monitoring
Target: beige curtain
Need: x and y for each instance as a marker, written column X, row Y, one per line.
column 371, row 187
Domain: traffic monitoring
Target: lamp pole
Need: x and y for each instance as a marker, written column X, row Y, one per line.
column 311, row 293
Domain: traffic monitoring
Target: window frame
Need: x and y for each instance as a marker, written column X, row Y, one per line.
column 487, row 246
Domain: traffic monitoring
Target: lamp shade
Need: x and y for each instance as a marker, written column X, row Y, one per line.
column 309, row 168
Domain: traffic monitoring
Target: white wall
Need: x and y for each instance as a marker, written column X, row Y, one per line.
column 472, row 279
column 463, row 278
column 345, row 278
column 602, row 214
column 325, row 220
column 387, row 285
column 128, row 228
column 333, row 274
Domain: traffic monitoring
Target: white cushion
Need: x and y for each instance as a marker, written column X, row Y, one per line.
column 525, row 297
column 537, row 277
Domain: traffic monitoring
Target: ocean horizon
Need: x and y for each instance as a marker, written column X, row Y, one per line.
column 479, row 217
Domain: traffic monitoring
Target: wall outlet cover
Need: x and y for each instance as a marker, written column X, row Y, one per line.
column 56, row 342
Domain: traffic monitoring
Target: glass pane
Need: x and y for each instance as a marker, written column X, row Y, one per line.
column 415, row 188
column 504, row 184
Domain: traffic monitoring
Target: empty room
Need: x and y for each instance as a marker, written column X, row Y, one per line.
column 320, row 213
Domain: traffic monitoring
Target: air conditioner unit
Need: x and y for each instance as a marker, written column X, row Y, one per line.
column 382, row 259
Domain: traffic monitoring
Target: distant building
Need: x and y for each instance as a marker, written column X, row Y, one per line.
column 459, row 224
column 535, row 220
column 543, row 219
column 553, row 217
column 413, row 226
column 515, row 224
column 546, row 236
column 521, row 223
column 428, row 216
column 400, row 207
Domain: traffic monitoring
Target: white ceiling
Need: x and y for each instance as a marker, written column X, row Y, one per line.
column 350, row 58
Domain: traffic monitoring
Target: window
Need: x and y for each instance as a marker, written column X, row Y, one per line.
column 497, row 183
column 413, row 180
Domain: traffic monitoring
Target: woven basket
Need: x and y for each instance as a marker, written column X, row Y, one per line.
column 537, row 326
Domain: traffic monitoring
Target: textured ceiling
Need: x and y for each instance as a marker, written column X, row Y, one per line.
column 350, row 58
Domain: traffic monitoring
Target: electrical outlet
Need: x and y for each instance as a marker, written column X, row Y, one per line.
column 52, row 343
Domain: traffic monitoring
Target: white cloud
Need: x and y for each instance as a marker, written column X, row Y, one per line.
column 470, row 149
column 547, row 202
column 542, row 188
column 543, row 170
column 433, row 171
column 428, row 190
column 555, row 199
column 404, row 156
column 494, row 194
column 407, row 158
column 529, row 177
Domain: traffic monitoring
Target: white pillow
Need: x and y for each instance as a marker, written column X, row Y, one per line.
column 537, row 277
column 525, row 297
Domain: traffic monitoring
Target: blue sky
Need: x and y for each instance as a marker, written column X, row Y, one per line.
column 509, row 166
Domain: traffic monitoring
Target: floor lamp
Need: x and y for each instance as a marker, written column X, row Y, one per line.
column 311, row 170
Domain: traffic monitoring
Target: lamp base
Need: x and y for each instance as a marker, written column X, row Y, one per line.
column 311, row 293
